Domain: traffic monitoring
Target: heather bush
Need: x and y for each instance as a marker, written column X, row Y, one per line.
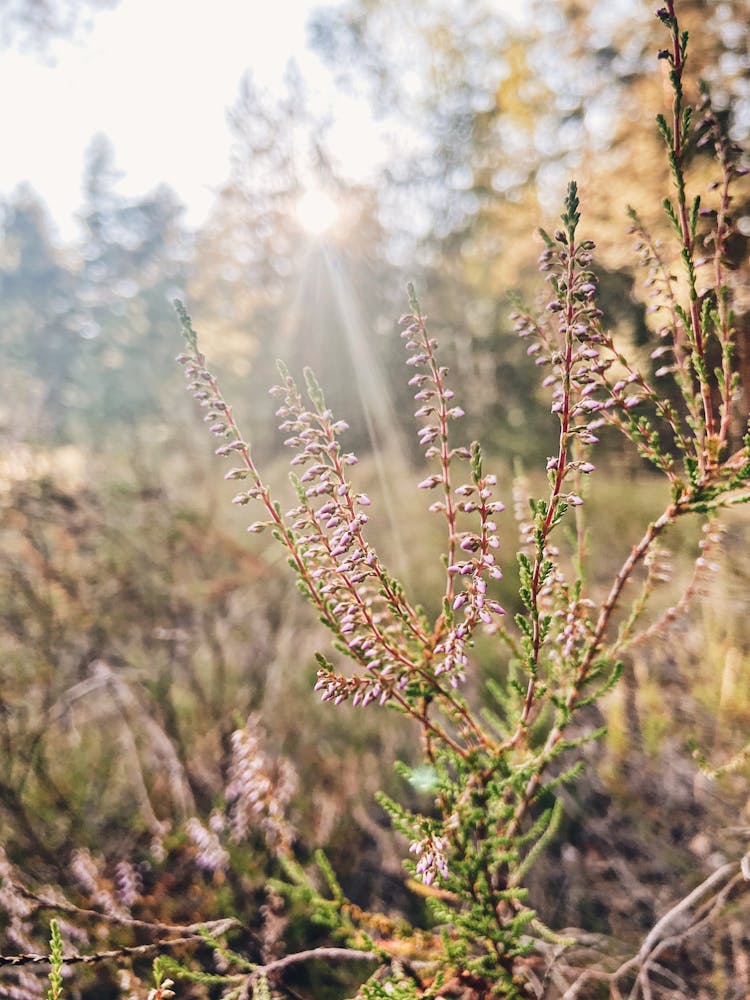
column 500, row 745
column 495, row 769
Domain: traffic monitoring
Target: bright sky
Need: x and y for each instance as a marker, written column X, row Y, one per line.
column 157, row 77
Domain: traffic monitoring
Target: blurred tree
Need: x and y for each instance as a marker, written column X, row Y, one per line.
column 37, row 321
column 497, row 106
column 499, row 98
column 88, row 333
column 35, row 23
column 461, row 191
column 134, row 253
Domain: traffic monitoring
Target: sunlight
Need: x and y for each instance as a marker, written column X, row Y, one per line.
column 378, row 408
column 317, row 212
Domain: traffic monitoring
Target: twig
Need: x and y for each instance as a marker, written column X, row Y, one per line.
column 656, row 942
column 656, row 934
column 676, row 939
column 220, row 926
column 311, row 955
column 14, row 961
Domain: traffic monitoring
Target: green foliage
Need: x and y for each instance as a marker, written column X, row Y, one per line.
column 261, row 989
column 191, row 337
column 55, row 991
column 162, row 984
column 393, row 988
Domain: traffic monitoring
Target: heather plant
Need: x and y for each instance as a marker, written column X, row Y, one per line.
column 495, row 767
column 497, row 751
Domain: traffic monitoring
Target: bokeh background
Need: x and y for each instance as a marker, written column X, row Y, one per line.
column 286, row 171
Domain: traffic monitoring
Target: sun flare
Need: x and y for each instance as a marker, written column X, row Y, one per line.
column 317, row 212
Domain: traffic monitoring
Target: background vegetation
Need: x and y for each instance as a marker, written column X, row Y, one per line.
column 140, row 627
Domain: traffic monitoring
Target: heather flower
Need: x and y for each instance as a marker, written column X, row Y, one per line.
column 324, row 533
column 472, row 600
column 88, row 873
column 210, row 856
column 129, row 883
column 18, row 934
column 658, row 563
column 345, row 576
column 475, row 498
column 157, row 848
column 430, row 854
column 259, row 790
column 85, row 870
column 27, row 987
column 163, row 991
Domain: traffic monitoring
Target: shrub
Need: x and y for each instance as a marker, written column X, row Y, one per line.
column 495, row 768
column 496, row 761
